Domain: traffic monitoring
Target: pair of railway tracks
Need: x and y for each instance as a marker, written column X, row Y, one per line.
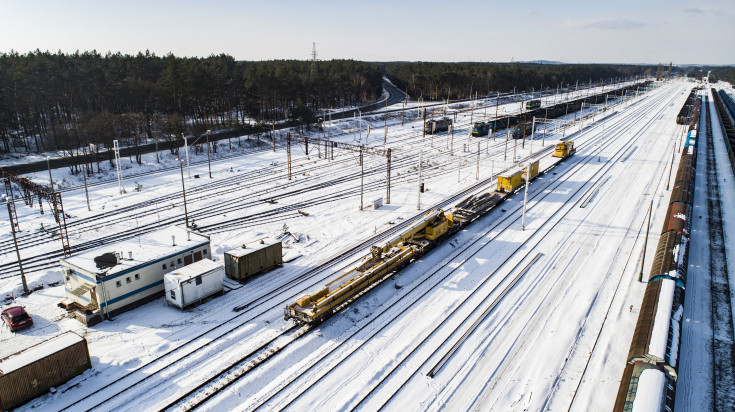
column 227, row 379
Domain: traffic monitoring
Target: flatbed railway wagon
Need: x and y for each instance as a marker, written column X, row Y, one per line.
column 33, row 371
column 384, row 259
column 387, row 257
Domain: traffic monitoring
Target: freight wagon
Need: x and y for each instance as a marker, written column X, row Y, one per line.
column 533, row 104
column 246, row 262
column 436, row 126
column 523, row 130
column 33, row 371
column 480, row 129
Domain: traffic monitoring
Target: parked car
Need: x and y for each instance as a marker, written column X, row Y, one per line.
column 17, row 318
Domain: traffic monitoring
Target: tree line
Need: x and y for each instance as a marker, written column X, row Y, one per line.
column 57, row 101
column 436, row 81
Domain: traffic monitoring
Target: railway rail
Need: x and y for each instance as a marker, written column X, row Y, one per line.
column 199, row 399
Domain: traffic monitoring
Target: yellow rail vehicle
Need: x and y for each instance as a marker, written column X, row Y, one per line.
column 510, row 181
column 384, row 259
column 564, row 149
column 534, row 171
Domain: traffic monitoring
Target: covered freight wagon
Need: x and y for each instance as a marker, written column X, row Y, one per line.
column 193, row 283
column 253, row 259
column 33, row 371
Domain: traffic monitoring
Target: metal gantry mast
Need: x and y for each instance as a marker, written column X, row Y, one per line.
column 329, row 144
column 29, row 190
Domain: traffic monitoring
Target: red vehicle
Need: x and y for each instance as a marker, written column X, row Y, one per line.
column 17, row 318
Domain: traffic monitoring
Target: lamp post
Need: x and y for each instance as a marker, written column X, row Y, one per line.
column 183, row 190
column 50, row 178
column 209, row 161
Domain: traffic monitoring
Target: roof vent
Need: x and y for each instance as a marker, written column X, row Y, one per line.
column 130, row 255
column 173, row 239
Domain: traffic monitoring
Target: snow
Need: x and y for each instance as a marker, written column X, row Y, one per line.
column 189, row 272
column 557, row 340
column 38, row 352
column 251, row 247
column 651, row 391
column 661, row 321
column 140, row 250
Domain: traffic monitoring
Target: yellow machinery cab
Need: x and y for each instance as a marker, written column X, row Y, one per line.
column 564, row 149
column 509, row 182
column 534, row 171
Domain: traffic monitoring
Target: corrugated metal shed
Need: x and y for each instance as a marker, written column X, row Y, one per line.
column 31, row 372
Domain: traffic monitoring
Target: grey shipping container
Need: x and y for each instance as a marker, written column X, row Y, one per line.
column 252, row 260
column 33, row 371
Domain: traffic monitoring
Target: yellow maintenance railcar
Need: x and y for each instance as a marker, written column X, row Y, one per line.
column 564, row 149
column 384, row 259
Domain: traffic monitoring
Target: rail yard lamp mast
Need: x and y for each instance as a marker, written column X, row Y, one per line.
column 209, row 160
column 183, row 190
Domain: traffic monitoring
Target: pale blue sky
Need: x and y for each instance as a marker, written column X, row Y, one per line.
column 456, row 30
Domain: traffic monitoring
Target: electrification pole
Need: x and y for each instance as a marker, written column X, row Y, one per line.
column 17, row 251
column 183, row 191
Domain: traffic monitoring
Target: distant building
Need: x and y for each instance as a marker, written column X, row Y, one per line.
column 105, row 281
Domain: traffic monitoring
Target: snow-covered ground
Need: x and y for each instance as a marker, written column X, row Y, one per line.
column 558, row 336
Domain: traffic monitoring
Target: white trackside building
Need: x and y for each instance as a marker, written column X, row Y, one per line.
column 191, row 284
column 108, row 280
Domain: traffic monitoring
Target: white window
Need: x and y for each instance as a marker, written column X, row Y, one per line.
column 173, row 294
column 164, row 266
column 205, row 251
column 118, row 283
column 137, row 276
column 127, row 279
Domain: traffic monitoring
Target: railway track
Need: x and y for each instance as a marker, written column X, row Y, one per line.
column 276, row 292
column 229, row 379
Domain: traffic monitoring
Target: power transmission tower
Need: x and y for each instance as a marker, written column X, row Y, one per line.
column 313, row 59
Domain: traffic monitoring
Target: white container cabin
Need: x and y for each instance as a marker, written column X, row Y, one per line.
column 191, row 284
column 105, row 281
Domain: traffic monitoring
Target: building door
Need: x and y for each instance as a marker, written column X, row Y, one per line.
column 187, row 260
column 93, row 297
column 197, row 256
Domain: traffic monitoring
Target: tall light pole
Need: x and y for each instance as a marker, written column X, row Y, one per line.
column 183, row 190
column 186, row 150
column 50, row 178
column 209, row 160
column 525, row 195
